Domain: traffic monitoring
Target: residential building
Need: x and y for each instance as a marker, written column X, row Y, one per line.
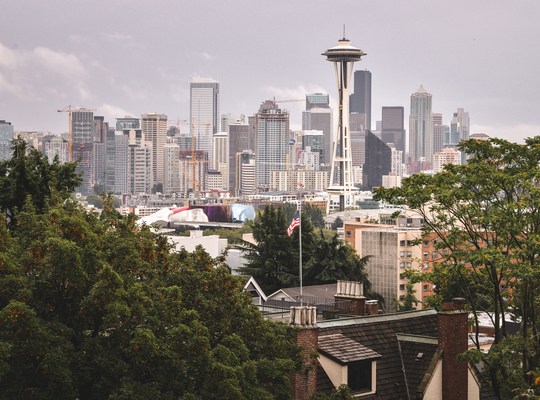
column 292, row 179
column 448, row 155
column 309, row 159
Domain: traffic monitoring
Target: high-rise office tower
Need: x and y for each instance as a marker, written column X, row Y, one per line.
column 171, row 172
column 318, row 116
column 6, row 136
column 317, row 100
column 221, row 157
column 439, row 132
column 239, row 140
column 139, row 162
column 360, row 99
column 314, row 139
column 378, row 161
column 82, row 133
column 341, row 184
column 55, row 146
column 204, row 112
column 272, row 128
column 127, row 123
column 245, row 173
column 121, row 163
column 228, row 119
column 154, row 130
column 420, row 127
column 459, row 127
column 393, row 126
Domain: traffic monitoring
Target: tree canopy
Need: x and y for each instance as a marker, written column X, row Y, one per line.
column 274, row 260
column 29, row 173
column 95, row 307
column 485, row 216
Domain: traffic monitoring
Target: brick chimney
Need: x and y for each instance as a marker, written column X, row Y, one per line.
column 350, row 298
column 304, row 382
column 452, row 324
column 372, row 307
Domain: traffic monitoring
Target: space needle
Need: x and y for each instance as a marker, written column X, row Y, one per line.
column 341, row 179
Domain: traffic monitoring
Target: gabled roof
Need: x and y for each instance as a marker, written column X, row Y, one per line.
column 326, row 291
column 380, row 334
column 253, row 285
column 345, row 350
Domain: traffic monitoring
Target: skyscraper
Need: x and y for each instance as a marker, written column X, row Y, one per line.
column 360, row 99
column 221, row 157
column 317, row 100
column 459, row 127
column 272, row 127
column 378, row 161
column 6, row 136
column 393, row 128
column 154, row 130
column 204, row 112
column 341, row 184
column 82, row 133
column 239, row 140
column 318, row 116
column 420, row 127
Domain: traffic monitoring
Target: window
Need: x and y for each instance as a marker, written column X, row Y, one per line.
column 426, row 288
column 402, row 242
column 409, row 254
column 435, row 254
column 426, row 243
column 410, row 243
column 359, row 376
column 402, row 254
column 348, row 233
column 426, row 254
column 401, row 276
column 401, row 287
column 402, row 265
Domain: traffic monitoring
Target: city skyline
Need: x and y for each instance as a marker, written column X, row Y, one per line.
column 473, row 56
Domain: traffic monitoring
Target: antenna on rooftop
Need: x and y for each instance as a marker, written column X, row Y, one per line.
column 344, row 31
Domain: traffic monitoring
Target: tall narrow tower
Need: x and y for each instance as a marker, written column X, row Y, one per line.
column 341, row 180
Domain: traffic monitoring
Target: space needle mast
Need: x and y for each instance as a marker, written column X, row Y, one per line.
column 341, row 180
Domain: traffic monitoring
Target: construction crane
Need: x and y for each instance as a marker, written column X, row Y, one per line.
column 69, row 110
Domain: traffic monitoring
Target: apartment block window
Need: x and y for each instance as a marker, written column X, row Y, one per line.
column 402, row 242
column 426, row 254
column 402, row 265
column 409, row 254
column 402, row 254
column 401, row 287
column 426, row 288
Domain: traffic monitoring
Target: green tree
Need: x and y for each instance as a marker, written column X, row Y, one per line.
column 98, row 307
column 485, row 216
column 29, row 173
column 410, row 301
column 274, row 260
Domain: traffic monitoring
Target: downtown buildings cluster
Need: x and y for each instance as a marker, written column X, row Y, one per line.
column 230, row 155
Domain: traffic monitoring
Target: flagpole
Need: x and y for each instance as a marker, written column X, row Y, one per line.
column 300, row 243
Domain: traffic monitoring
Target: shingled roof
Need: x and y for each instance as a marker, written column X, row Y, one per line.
column 380, row 334
column 345, row 350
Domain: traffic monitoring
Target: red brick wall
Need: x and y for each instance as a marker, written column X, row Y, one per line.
column 453, row 337
column 304, row 382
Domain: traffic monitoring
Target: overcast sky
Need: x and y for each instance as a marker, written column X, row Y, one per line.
column 127, row 57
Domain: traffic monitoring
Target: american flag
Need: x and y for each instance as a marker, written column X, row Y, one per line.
column 294, row 223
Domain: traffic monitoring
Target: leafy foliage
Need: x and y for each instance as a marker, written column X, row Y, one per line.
column 486, row 217
column 274, row 260
column 94, row 307
column 29, row 174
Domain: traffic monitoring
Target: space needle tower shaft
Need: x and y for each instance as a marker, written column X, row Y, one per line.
column 344, row 55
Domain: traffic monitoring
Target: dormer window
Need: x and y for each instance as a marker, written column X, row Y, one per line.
column 346, row 361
